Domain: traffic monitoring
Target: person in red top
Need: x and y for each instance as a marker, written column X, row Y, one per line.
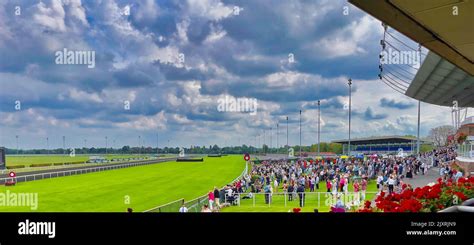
column 211, row 199
column 342, row 182
column 238, row 186
column 328, row 185
column 356, row 193
column 363, row 187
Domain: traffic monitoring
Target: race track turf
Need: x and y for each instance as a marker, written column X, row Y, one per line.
column 145, row 186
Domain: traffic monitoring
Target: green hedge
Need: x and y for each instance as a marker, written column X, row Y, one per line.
column 16, row 166
column 69, row 163
column 41, row 165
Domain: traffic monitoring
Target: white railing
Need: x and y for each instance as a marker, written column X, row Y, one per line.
column 33, row 177
column 466, row 150
column 313, row 199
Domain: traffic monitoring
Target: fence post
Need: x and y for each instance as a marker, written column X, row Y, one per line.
column 239, row 199
column 285, row 198
column 254, row 199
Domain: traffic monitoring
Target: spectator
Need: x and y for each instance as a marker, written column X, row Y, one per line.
column 275, row 184
column 328, row 185
column 217, row 196
column 183, row 209
column 290, row 193
column 363, row 187
column 205, row 209
column 316, row 181
column 301, row 195
column 356, row 193
column 211, row 199
column 391, row 183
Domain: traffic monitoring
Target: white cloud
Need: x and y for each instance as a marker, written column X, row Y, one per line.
column 79, row 95
column 51, row 17
column 157, row 121
column 209, row 9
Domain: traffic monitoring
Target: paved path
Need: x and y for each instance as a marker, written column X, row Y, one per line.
column 421, row 180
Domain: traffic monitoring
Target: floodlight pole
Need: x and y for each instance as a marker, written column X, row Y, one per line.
column 300, row 133
column 17, row 149
column 271, row 139
column 419, row 105
column 319, row 126
column 64, row 145
column 85, row 145
column 139, row 147
column 105, row 145
column 278, row 147
column 418, row 131
column 350, row 104
column 287, row 145
column 258, row 137
column 256, row 144
column 47, row 145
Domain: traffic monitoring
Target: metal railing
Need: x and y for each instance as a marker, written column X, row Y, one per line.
column 284, row 199
column 466, row 150
column 46, row 175
column 193, row 205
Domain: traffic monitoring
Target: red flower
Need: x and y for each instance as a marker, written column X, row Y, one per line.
column 367, row 204
column 296, row 210
column 460, row 195
column 410, row 205
column 365, row 210
column 407, row 194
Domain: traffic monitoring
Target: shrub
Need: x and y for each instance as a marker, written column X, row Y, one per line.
column 41, row 165
column 16, row 166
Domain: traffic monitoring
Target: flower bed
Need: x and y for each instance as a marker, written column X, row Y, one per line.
column 431, row 198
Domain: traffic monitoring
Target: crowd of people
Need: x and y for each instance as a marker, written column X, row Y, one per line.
column 297, row 177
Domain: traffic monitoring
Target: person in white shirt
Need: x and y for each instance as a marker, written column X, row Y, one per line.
column 391, row 183
column 183, row 209
column 379, row 182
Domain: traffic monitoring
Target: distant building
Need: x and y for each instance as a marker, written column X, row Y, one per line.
column 381, row 145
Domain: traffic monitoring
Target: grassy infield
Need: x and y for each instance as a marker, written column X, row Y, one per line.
column 145, row 187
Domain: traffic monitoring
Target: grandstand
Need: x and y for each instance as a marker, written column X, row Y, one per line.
column 382, row 145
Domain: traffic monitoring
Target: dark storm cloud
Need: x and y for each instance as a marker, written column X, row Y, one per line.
column 391, row 103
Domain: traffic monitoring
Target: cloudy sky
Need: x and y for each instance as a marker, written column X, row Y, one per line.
column 173, row 61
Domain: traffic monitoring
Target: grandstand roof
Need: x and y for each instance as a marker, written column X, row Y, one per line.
column 433, row 24
column 378, row 140
column 440, row 82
